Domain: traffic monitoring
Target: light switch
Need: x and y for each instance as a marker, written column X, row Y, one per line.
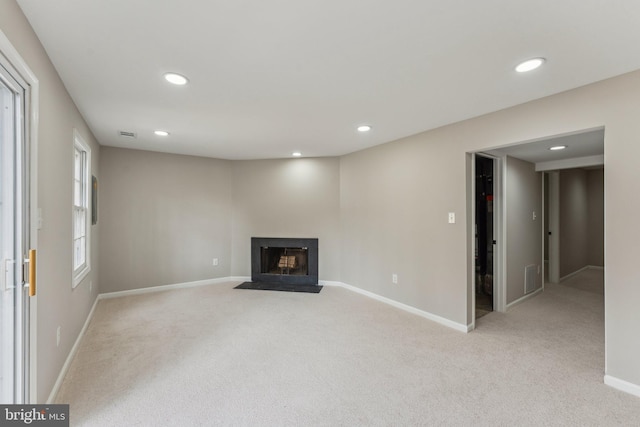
column 452, row 217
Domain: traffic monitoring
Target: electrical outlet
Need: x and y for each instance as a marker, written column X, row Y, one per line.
column 215, row 261
column 394, row 279
column 58, row 337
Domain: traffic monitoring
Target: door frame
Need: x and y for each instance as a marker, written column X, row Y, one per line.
column 553, row 222
column 13, row 58
column 499, row 263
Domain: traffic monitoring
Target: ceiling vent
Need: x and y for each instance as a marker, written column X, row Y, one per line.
column 126, row 134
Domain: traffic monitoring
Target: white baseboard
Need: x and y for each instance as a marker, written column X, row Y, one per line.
column 622, row 385
column 168, row 287
column 524, row 298
column 588, row 267
column 329, row 283
column 430, row 316
column 72, row 353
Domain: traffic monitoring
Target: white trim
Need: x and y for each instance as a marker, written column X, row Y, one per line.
column 524, row 298
column 554, row 227
column 542, row 268
column 433, row 317
column 570, row 275
column 15, row 59
column 72, row 353
column 34, row 224
column 78, row 274
column 471, row 239
column 587, row 267
column 161, row 288
column 329, row 283
column 500, row 234
column 622, row 385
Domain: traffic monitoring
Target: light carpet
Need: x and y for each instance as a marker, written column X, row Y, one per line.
column 213, row 355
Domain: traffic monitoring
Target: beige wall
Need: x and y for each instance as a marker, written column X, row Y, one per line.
column 395, row 199
column 287, row 198
column 163, row 218
column 574, row 226
column 595, row 182
column 581, row 220
column 56, row 304
column 523, row 197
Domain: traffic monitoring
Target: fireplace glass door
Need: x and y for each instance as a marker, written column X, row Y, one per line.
column 284, row 261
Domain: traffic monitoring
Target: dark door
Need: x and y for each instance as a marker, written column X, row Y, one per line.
column 484, row 235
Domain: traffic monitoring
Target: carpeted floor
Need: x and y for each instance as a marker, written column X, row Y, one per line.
column 217, row 356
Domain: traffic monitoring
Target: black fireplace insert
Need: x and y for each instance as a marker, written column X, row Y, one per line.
column 291, row 261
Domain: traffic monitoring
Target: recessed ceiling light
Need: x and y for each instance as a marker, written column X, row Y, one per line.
column 558, row 147
column 364, row 128
column 161, row 132
column 176, row 79
column 530, row 65
column 296, row 154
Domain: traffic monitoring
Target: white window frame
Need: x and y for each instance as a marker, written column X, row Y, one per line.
column 81, row 209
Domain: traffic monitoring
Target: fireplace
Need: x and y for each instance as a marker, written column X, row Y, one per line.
column 292, row 261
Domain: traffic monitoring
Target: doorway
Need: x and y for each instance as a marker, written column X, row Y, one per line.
column 17, row 263
column 574, row 221
column 551, row 191
column 484, row 235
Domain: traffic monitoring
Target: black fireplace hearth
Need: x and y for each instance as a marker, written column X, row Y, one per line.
column 291, row 261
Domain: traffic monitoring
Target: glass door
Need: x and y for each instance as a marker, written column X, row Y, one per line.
column 14, row 234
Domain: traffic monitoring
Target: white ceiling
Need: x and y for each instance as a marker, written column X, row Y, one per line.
column 271, row 77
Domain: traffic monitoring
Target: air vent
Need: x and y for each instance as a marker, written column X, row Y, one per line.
column 530, row 278
column 127, row 134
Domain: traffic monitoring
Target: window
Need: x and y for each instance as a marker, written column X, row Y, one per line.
column 81, row 214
